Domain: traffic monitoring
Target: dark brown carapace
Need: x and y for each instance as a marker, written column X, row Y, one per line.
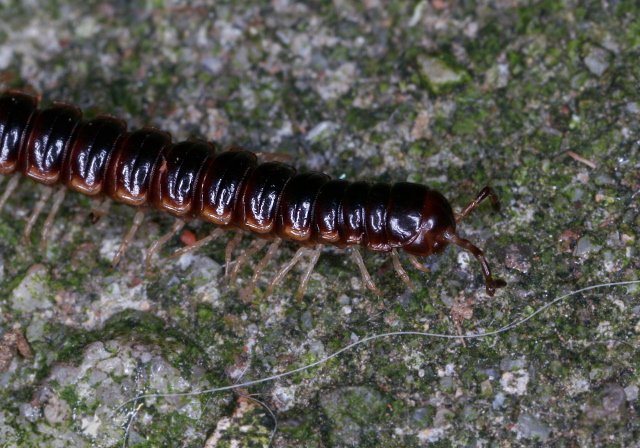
column 229, row 189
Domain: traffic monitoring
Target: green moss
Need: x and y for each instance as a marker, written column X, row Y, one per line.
column 130, row 321
column 69, row 395
column 488, row 44
column 532, row 18
column 302, row 433
column 67, row 343
column 361, row 119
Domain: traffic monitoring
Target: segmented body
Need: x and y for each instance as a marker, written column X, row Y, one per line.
column 190, row 179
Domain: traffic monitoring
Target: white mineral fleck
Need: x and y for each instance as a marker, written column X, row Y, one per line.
column 515, row 383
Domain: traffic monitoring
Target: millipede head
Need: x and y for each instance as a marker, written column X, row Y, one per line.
column 438, row 229
column 437, row 218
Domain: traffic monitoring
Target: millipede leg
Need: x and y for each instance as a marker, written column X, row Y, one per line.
column 157, row 244
column 285, row 269
column 137, row 221
column 313, row 259
column 57, row 202
column 416, row 263
column 99, row 208
column 46, row 194
column 255, row 247
column 486, row 192
column 198, row 244
column 229, row 250
column 355, row 253
column 11, row 187
column 273, row 247
column 399, row 269
column 491, row 284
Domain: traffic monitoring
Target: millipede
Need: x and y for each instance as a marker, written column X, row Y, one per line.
column 192, row 179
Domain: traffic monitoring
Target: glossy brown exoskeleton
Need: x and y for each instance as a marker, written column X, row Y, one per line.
column 230, row 189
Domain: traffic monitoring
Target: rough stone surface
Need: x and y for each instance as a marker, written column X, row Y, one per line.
column 544, row 108
column 607, row 406
column 354, row 412
column 248, row 426
column 437, row 74
column 597, row 61
column 33, row 292
column 532, row 428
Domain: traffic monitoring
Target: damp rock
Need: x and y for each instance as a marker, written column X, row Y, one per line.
column 447, row 384
column 499, row 400
column 33, row 293
column 316, row 348
column 423, row 417
column 29, row 412
column 322, row 131
column 247, row 426
column 353, row 411
column 597, row 60
column 63, row 374
column 284, row 398
column 404, row 299
column 515, row 383
column 584, row 247
column 337, row 82
column 205, row 277
column 609, row 406
column 631, row 392
column 107, row 374
column 604, row 180
column 438, row 74
column 602, row 372
column 441, row 423
column 531, row 428
column 306, row 320
column 443, row 418
column 8, row 435
column 510, row 364
column 498, row 76
column 486, row 390
column 56, row 410
column 519, row 257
